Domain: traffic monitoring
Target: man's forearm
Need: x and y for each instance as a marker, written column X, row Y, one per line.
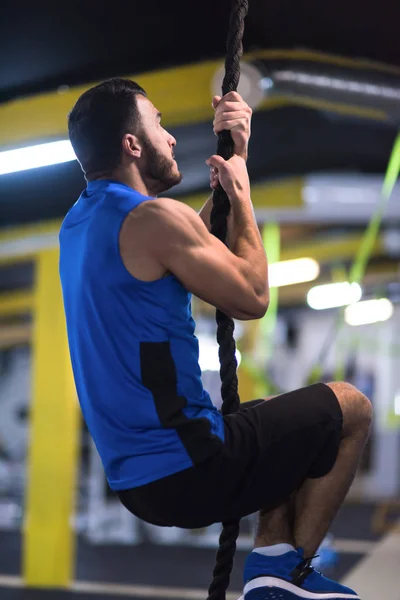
column 249, row 245
column 244, row 240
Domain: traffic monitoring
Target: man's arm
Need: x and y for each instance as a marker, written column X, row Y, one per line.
column 235, row 282
column 170, row 237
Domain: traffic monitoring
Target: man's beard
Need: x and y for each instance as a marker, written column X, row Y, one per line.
column 161, row 172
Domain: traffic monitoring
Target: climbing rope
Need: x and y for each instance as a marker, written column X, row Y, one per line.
column 225, row 325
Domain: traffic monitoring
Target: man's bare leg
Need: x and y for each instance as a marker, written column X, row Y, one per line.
column 318, row 500
column 276, row 526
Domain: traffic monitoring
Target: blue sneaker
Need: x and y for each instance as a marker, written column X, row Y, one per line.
column 289, row 577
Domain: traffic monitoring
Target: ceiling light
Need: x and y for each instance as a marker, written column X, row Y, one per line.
column 368, row 311
column 333, row 295
column 289, row 272
column 32, row 157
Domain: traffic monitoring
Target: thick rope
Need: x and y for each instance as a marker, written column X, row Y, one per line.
column 225, row 325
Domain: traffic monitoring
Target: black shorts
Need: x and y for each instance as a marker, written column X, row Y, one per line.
column 270, row 448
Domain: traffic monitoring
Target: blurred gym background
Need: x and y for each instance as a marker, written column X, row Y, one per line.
column 324, row 83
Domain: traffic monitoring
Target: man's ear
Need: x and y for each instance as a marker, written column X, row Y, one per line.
column 131, row 146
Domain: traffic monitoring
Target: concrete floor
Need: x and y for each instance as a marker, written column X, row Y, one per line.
column 147, row 571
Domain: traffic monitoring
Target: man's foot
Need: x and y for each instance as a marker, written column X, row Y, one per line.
column 289, row 577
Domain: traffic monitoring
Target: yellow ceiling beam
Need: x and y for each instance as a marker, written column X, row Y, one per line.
column 332, row 249
column 323, row 250
column 182, row 93
column 13, row 304
column 21, row 244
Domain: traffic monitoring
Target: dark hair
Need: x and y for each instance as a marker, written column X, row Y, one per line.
column 100, row 119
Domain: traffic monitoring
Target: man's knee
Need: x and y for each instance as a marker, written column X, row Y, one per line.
column 356, row 407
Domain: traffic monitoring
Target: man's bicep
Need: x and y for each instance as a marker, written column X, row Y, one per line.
column 202, row 271
column 205, row 266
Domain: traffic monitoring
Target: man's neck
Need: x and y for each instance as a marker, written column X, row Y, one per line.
column 130, row 179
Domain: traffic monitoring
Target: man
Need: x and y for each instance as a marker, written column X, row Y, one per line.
column 129, row 264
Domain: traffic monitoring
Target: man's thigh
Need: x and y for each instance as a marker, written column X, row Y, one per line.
column 283, row 441
column 270, row 448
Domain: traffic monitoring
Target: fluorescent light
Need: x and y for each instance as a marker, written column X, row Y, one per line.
column 368, row 311
column 289, row 272
column 208, row 353
column 333, row 295
column 32, row 157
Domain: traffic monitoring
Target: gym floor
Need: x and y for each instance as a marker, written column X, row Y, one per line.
column 147, row 571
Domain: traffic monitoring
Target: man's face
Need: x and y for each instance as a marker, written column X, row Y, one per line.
column 159, row 168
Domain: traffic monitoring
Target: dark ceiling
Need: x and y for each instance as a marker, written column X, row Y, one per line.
column 47, row 44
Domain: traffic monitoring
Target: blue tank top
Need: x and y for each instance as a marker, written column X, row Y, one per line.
column 133, row 350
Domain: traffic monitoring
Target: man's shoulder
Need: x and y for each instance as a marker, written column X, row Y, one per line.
column 164, row 211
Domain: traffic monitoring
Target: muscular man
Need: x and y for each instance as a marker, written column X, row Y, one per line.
column 129, row 264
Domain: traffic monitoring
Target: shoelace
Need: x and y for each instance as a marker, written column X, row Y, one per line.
column 303, row 570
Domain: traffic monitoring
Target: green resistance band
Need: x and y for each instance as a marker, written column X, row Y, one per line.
column 357, row 271
column 264, row 386
column 272, row 245
column 363, row 255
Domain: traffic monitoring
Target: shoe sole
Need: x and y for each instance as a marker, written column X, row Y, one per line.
column 284, row 590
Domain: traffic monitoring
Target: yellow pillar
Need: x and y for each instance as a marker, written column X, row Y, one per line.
column 49, row 540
